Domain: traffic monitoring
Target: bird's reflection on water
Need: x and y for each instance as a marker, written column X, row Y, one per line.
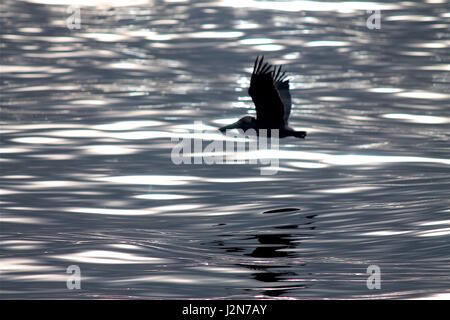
column 272, row 246
column 269, row 254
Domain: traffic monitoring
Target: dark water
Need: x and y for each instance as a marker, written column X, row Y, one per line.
column 87, row 118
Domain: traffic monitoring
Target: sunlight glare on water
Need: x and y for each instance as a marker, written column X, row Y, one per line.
column 90, row 116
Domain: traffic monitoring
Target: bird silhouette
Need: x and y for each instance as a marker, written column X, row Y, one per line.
column 269, row 90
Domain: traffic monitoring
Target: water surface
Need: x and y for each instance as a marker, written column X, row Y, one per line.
column 87, row 121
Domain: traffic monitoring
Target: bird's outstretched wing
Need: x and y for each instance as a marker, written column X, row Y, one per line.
column 270, row 111
column 282, row 85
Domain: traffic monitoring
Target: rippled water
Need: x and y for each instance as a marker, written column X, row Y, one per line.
column 88, row 117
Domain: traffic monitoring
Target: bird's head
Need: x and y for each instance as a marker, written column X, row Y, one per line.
column 244, row 124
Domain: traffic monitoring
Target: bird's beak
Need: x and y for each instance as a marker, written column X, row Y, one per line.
column 229, row 127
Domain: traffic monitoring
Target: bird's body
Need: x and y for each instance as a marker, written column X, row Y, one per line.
column 269, row 90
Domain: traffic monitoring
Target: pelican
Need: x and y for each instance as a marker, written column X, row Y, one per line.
column 269, row 90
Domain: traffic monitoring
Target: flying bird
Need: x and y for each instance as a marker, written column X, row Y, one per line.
column 269, row 90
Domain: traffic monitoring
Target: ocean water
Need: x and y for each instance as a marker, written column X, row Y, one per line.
column 90, row 114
